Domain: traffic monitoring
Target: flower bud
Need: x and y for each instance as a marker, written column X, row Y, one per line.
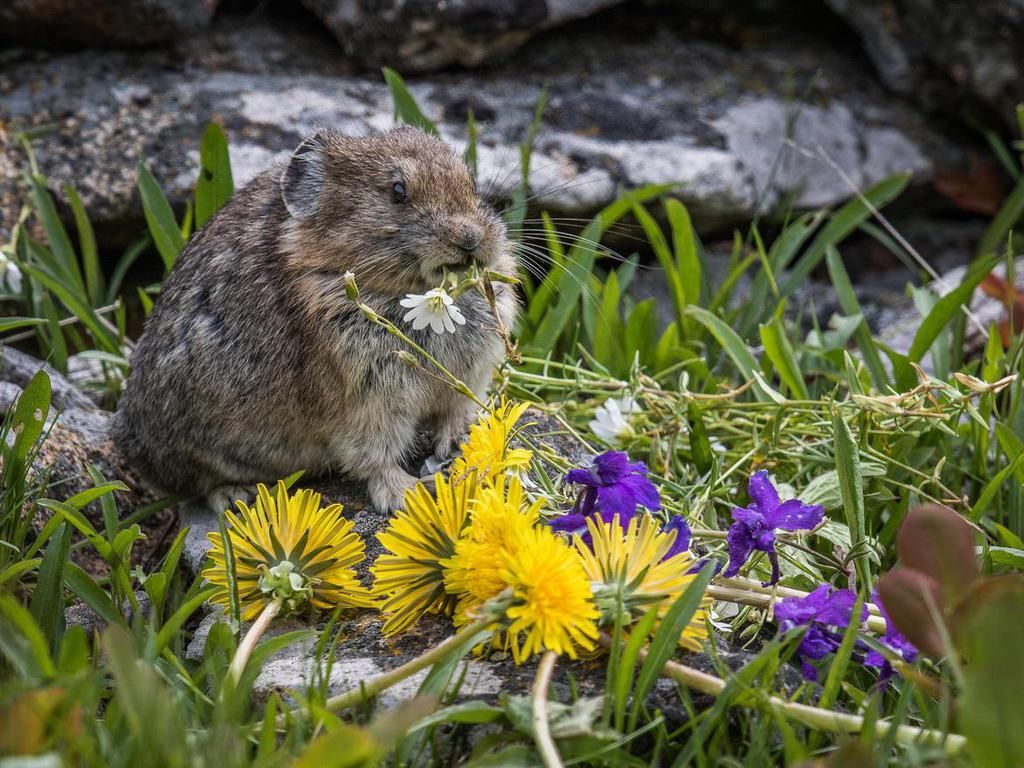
column 351, row 289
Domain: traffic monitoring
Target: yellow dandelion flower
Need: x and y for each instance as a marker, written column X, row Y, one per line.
column 553, row 607
column 487, row 450
column 288, row 547
column 501, row 516
column 630, row 568
column 419, row 538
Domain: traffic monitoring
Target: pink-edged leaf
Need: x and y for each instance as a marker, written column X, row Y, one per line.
column 938, row 542
column 905, row 593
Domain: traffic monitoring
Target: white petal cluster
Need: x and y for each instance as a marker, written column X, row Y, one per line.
column 435, row 308
column 611, row 420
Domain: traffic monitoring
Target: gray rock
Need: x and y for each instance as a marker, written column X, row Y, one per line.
column 616, row 119
column 128, row 23
column 941, row 52
column 16, row 367
column 429, row 34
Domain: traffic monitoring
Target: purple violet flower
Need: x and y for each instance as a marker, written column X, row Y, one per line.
column 613, row 485
column 683, row 536
column 755, row 525
column 826, row 613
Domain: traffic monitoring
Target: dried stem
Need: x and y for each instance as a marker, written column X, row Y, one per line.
column 252, row 637
column 541, row 728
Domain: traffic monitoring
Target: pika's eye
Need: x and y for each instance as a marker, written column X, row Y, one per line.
column 398, row 192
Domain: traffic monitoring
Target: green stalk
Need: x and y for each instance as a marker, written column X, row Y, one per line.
column 384, row 681
column 813, row 717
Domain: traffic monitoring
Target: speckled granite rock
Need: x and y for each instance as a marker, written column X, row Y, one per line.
column 719, row 124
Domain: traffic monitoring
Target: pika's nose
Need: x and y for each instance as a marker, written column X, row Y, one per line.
column 468, row 241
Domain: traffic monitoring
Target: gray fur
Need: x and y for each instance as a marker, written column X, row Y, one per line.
column 255, row 364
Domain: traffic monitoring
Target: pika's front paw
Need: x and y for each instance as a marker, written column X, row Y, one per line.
column 449, row 438
column 224, row 497
column 387, row 492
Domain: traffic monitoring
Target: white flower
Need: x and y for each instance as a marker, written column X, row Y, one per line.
column 10, row 275
column 611, row 420
column 434, row 308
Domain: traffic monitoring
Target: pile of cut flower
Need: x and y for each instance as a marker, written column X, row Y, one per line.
column 537, row 574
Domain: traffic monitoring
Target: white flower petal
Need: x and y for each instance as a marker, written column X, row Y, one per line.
column 436, row 322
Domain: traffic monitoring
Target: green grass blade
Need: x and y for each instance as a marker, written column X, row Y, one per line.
column 215, row 185
column 948, row 306
column 163, row 228
column 87, row 246
column 90, row 593
column 1006, row 219
column 850, row 306
column 780, row 352
column 47, row 603
column 56, row 235
column 406, row 108
column 666, row 638
column 851, row 489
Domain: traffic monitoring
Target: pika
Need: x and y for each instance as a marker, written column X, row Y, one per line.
column 255, row 364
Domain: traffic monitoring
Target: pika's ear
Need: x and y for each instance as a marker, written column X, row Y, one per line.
column 303, row 179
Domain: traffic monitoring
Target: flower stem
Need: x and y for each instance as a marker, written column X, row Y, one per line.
column 252, row 637
column 764, row 600
column 541, row 728
column 382, row 682
column 813, row 717
column 453, row 381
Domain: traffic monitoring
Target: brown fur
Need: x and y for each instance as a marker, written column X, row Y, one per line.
column 255, row 364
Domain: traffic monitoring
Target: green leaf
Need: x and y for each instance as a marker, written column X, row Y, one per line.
column 780, row 352
column 1009, row 214
column 173, row 624
column 22, row 642
column 406, row 108
column 684, row 242
column 90, row 593
column 994, row 485
column 731, row 343
column 63, row 252
column 626, row 668
column 472, row 139
column 87, row 245
column 47, row 603
column 159, row 218
column 700, row 446
column 851, row 487
column 30, row 412
column 76, row 303
column 850, row 306
column 215, row 185
column 989, row 709
column 11, row 323
column 642, row 332
column 666, row 638
column 948, row 306
column 470, row 712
